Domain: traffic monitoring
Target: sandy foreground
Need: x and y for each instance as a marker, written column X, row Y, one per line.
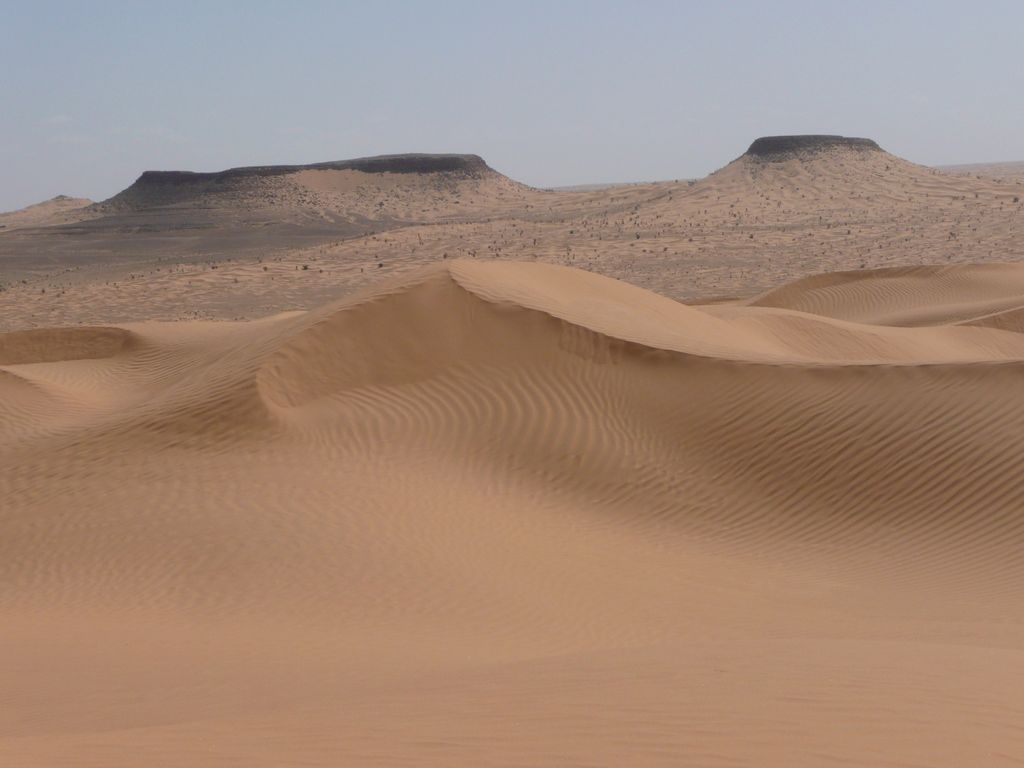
column 518, row 514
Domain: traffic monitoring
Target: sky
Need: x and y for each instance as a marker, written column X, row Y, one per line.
column 550, row 93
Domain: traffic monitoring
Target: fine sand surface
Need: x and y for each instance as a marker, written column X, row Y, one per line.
column 492, row 513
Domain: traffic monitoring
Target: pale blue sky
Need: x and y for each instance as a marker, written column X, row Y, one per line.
column 551, row 93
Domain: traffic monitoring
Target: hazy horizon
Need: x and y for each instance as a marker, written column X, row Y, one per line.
column 577, row 93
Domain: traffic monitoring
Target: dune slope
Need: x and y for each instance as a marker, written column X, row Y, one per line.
column 517, row 514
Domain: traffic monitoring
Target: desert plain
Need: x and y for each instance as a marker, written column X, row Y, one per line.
column 398, row 461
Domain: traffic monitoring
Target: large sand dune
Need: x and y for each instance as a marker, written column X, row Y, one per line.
column 507, row 514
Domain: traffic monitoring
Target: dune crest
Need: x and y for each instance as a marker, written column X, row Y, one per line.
column 52, row 345
column 419, row 325
column 449, row 518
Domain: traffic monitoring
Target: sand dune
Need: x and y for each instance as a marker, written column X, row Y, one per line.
column 494, row 513
column 908, row 296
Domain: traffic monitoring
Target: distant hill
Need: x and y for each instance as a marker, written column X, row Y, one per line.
column 155, row 189
column 56, row 210
column 1008, row 171
column 786, row 207
column 170, row 213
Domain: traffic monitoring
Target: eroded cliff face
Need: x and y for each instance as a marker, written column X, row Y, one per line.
column 781, row 147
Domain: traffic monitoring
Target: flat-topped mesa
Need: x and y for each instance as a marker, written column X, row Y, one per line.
column 234, row 188
column 470, row 166
column 784, row 147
